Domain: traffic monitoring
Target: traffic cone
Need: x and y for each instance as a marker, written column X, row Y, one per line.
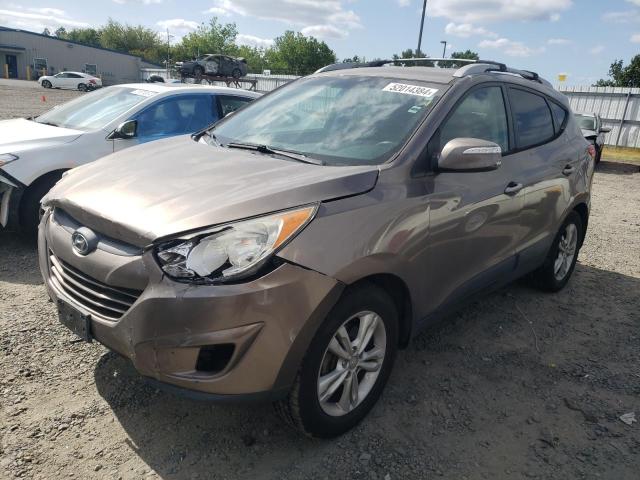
column 44, row 99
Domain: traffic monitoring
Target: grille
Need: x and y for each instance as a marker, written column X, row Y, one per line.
column 101, row 299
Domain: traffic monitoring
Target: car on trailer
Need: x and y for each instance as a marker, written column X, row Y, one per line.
column 213, row 65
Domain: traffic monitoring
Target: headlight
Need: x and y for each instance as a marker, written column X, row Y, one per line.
column 6, row 158
column 232, row 251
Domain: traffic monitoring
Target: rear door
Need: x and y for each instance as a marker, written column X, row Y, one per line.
column 473, row 215
column 548, row 161
column 230, row 103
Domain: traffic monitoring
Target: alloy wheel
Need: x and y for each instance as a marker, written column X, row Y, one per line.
column 351, row 363
column 566, row 251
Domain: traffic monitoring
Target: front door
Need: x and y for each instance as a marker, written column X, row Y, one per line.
column 12, row 63
column 474, row 216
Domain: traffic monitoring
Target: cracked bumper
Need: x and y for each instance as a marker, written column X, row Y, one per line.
column 270, row 321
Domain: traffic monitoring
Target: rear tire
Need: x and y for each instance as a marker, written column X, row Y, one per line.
column 323, row 415
column 558, row 267
column 82, row 87
column 30, row 204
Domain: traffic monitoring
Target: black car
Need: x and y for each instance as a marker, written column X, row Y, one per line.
column 214, row 65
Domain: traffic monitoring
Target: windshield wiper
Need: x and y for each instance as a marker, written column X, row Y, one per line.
column 300, row 157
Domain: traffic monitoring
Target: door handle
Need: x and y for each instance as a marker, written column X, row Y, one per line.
column 568, row 170
column 513, row 188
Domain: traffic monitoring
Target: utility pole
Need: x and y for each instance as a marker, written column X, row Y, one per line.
column 168, row 51
column 424, row 11
column 444, row 50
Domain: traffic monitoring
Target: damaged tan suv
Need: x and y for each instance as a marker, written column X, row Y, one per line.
column 286, row 253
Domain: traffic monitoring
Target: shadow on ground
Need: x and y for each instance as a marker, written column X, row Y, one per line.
column 520, row 384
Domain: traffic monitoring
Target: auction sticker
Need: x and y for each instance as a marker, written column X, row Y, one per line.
column 411, row 90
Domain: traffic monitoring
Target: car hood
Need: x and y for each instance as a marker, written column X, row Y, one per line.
column 20, row 134
column 176, row 185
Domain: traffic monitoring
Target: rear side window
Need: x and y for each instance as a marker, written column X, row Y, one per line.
column 231, row 103
column 559, row 116
column 532, row 118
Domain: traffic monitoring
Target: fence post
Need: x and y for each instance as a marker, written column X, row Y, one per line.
column 6, row 70
column 624, row 115
column 28, row 72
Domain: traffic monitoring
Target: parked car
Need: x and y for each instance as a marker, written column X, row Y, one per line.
column 214, row 65
column 289, row 251
column 593, row 131
column 71, row 80
column 34, row 153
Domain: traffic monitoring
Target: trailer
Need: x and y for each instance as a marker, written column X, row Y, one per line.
column 245, row 83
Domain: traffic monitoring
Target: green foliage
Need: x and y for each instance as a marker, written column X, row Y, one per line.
column 291, row 53
column 467, row 54
column 409, row 53
column 297, row 54
column 208, row 38
column 622, row 76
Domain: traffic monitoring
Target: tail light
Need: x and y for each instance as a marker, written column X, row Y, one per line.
column 592, row 150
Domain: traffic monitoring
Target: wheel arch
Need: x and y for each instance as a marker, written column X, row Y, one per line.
column 399, row 293
column 583, row 210
column 38, row 181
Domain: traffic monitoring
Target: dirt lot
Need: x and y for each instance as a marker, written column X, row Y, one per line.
column 520, row 385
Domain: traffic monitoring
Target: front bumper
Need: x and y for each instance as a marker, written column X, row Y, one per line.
column 269, row 321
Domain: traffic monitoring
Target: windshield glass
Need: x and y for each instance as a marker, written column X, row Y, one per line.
column 95, row 110
column 345, row 120
column 586, row 122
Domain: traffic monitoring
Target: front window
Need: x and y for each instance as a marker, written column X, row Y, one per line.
column 95, row 110
column 586, row 122
column 346, row 120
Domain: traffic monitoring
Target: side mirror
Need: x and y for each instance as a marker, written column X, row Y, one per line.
column 605, row 129
column 126, row 130
column 470, row 155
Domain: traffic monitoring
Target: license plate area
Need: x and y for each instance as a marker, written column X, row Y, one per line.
column 75, row 320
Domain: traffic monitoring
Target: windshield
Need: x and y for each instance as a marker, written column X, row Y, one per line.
column 345, row 120
column 586, row 122
column 95, row 110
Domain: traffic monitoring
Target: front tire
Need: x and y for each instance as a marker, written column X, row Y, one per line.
column 347, row 365
column 30, row 204
column 558, row 267
column 46, row 84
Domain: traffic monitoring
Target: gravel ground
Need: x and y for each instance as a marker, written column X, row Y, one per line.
column 519, row 385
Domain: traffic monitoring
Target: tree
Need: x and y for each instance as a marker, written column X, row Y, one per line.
column 213, row 37
column 87, row 36
column 409, row 53
column 61, row 32
column 297, row 54
column 623, row 76
column 136, row 40
column 46, row 32
column 467, row 54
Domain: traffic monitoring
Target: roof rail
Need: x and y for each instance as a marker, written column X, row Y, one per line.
column 473, row 67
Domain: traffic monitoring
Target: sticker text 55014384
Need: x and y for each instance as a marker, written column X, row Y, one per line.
column 411, row 90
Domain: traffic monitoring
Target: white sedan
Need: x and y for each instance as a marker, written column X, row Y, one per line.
column 73, row 80
column 35, row 152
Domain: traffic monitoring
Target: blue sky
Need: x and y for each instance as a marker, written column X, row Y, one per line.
column 577, row 37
